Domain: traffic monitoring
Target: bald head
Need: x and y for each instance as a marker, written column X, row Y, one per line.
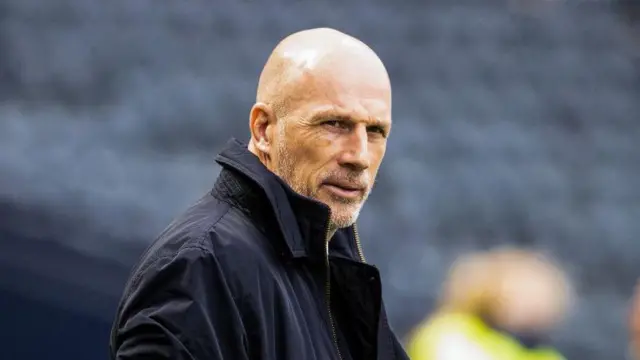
column 316, row 60
column 321, row 118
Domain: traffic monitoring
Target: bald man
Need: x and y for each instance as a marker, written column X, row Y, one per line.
column 269, row 264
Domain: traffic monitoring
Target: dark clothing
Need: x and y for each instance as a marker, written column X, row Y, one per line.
column 243, row 274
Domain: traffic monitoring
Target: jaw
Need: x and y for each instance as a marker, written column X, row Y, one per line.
column 344, row 215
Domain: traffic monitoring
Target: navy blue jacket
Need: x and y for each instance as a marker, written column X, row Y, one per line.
column 244, row 274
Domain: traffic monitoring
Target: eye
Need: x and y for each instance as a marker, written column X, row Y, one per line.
column 378, row 130
column 336, row 124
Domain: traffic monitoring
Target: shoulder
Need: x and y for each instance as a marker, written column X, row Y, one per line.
column 454, row 320
column 209, row 233
column 452, row 327
column 445, row 332
column 548, row 353
column 187, row 231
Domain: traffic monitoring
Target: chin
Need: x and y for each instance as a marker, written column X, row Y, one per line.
column 343, row 218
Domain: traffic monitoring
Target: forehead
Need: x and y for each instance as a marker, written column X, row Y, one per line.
column 347, row 96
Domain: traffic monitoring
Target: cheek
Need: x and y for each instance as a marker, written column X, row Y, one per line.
column 377, row 157
column 379, row 151
column 307, row 163
column 316, row 150
column 309, row 142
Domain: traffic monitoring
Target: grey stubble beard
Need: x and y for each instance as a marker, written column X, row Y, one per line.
column 285, row 169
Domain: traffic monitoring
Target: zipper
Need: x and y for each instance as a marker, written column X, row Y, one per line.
column 328, row 288
column 358, row 244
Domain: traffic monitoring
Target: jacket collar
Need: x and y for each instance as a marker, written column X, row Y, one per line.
column 301, row 221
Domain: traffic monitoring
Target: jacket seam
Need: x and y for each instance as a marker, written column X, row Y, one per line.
column 198, row 240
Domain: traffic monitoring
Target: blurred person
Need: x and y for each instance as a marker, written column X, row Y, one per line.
column 268, row 265
column 495, row 305
column 634, row 325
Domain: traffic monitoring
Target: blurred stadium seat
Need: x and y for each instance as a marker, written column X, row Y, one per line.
column 512, row 125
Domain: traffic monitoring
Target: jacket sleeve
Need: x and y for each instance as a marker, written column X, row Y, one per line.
column 179, row 308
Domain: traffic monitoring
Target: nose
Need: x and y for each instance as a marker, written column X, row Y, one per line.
column 356, row 152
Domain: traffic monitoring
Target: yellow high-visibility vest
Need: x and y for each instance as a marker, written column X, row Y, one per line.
column 456, row 336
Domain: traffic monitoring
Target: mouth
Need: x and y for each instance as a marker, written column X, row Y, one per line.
column 345, row 191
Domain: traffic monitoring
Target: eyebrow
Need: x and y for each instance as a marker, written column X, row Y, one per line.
column 332, row 115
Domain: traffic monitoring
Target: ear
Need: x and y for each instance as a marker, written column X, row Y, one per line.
column 262, row 122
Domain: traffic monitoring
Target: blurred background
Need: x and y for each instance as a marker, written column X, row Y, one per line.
column 515, row 122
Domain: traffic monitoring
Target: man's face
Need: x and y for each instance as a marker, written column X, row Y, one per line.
column 530, row 299
column 330, row 146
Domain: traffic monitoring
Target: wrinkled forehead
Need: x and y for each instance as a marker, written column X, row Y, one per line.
column 345, row 93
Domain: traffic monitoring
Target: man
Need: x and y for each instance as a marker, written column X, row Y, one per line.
column 499, row 304
column 268, row 265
